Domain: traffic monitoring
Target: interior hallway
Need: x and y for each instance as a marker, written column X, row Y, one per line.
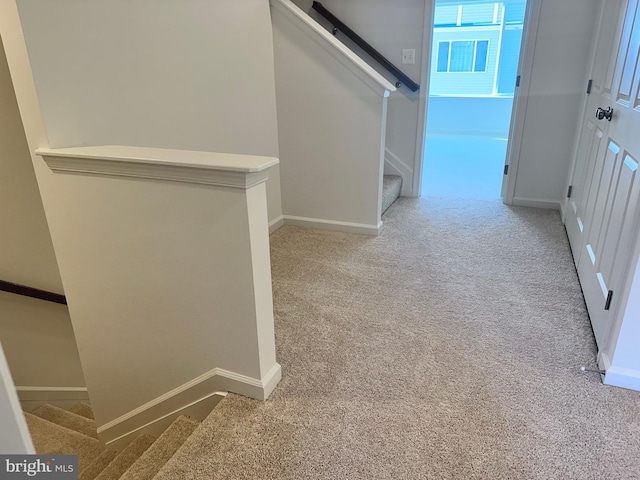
column 447, row 347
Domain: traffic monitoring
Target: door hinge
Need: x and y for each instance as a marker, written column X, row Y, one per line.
column 607, row 303
column 569, row 191
column 506, row 169
column 589, row 86
column 518, row 81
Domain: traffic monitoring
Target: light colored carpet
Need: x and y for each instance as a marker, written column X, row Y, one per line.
column 82, row 409
column 67, row 419
column 49, row 438
column 391, row 188
column 98, row 465
column 162, row 450
column 448, row 347
column 126, row 458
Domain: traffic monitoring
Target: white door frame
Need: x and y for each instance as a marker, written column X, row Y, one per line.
column 423, row 97
column 520, row 96
column 14, row 436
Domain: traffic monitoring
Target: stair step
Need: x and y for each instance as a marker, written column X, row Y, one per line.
column 391, row 187
column 67, row 419
column 83, row 410
column 49, row 438
column 126, row 458
column 151, row 461
column 98, row 465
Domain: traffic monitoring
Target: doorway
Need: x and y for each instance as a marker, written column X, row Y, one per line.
column 474, row 64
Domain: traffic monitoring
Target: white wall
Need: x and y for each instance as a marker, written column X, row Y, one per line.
column 39, row 342
column 390, row 27
column 131, row 253
column 193, row 75
column 160, row 284
column 331, row 130
column 560, row 65
column 557, row 88
column 28, row 257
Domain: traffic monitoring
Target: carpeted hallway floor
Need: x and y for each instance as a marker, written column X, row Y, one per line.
column 448, row 347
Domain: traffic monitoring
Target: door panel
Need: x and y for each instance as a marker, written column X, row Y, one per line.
column 588, row 164
column 583, row 176
column 609, row 216
column 600, row 268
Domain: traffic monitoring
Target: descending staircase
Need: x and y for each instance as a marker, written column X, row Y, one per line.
column 58, row 431
column 391, row 186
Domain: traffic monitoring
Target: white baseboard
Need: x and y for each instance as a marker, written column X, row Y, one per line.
column 604, row 363
column 198, row 410
column 394, row 166
column 563, row 210
column 31, row 397
column 623, row 378
column 191, row 394
column 276, row 224
column 334, row 225
column 49, row 394
column 536, row 203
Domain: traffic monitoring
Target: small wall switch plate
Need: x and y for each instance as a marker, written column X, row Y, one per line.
column 408, row 56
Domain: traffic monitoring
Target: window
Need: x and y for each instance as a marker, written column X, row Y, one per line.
column 462, row 56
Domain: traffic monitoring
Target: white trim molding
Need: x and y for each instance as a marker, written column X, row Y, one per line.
column 198, row 410
column 623, row 378
column 187, row 395
column 275, row 224
column 32, row 397
column 536, row 203
column 186, row 166
column 334, row 47
column 47, row 394
column 334, row 225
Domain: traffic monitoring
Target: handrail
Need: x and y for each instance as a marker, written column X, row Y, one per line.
column 334, row 47
column 358, row 40
column 32, row 292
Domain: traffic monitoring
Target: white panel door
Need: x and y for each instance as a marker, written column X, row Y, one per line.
column 610, row 208
column 587, row 163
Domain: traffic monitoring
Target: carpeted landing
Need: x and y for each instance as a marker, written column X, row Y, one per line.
column 448, row 347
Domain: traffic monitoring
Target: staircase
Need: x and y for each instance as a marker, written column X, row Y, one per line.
column 58, row 431
column 391, row 186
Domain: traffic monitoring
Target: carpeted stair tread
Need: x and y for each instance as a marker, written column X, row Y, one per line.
column 83, row 410
column 98, row 465
column 226, row 417
column 152, row 460
column 391, row 187
column 126, row 458
column 49, row 438
column 67, row 419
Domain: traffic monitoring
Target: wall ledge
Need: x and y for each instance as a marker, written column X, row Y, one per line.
column 185, row 166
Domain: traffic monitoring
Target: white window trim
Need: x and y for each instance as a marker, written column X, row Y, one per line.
column 473, row 63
